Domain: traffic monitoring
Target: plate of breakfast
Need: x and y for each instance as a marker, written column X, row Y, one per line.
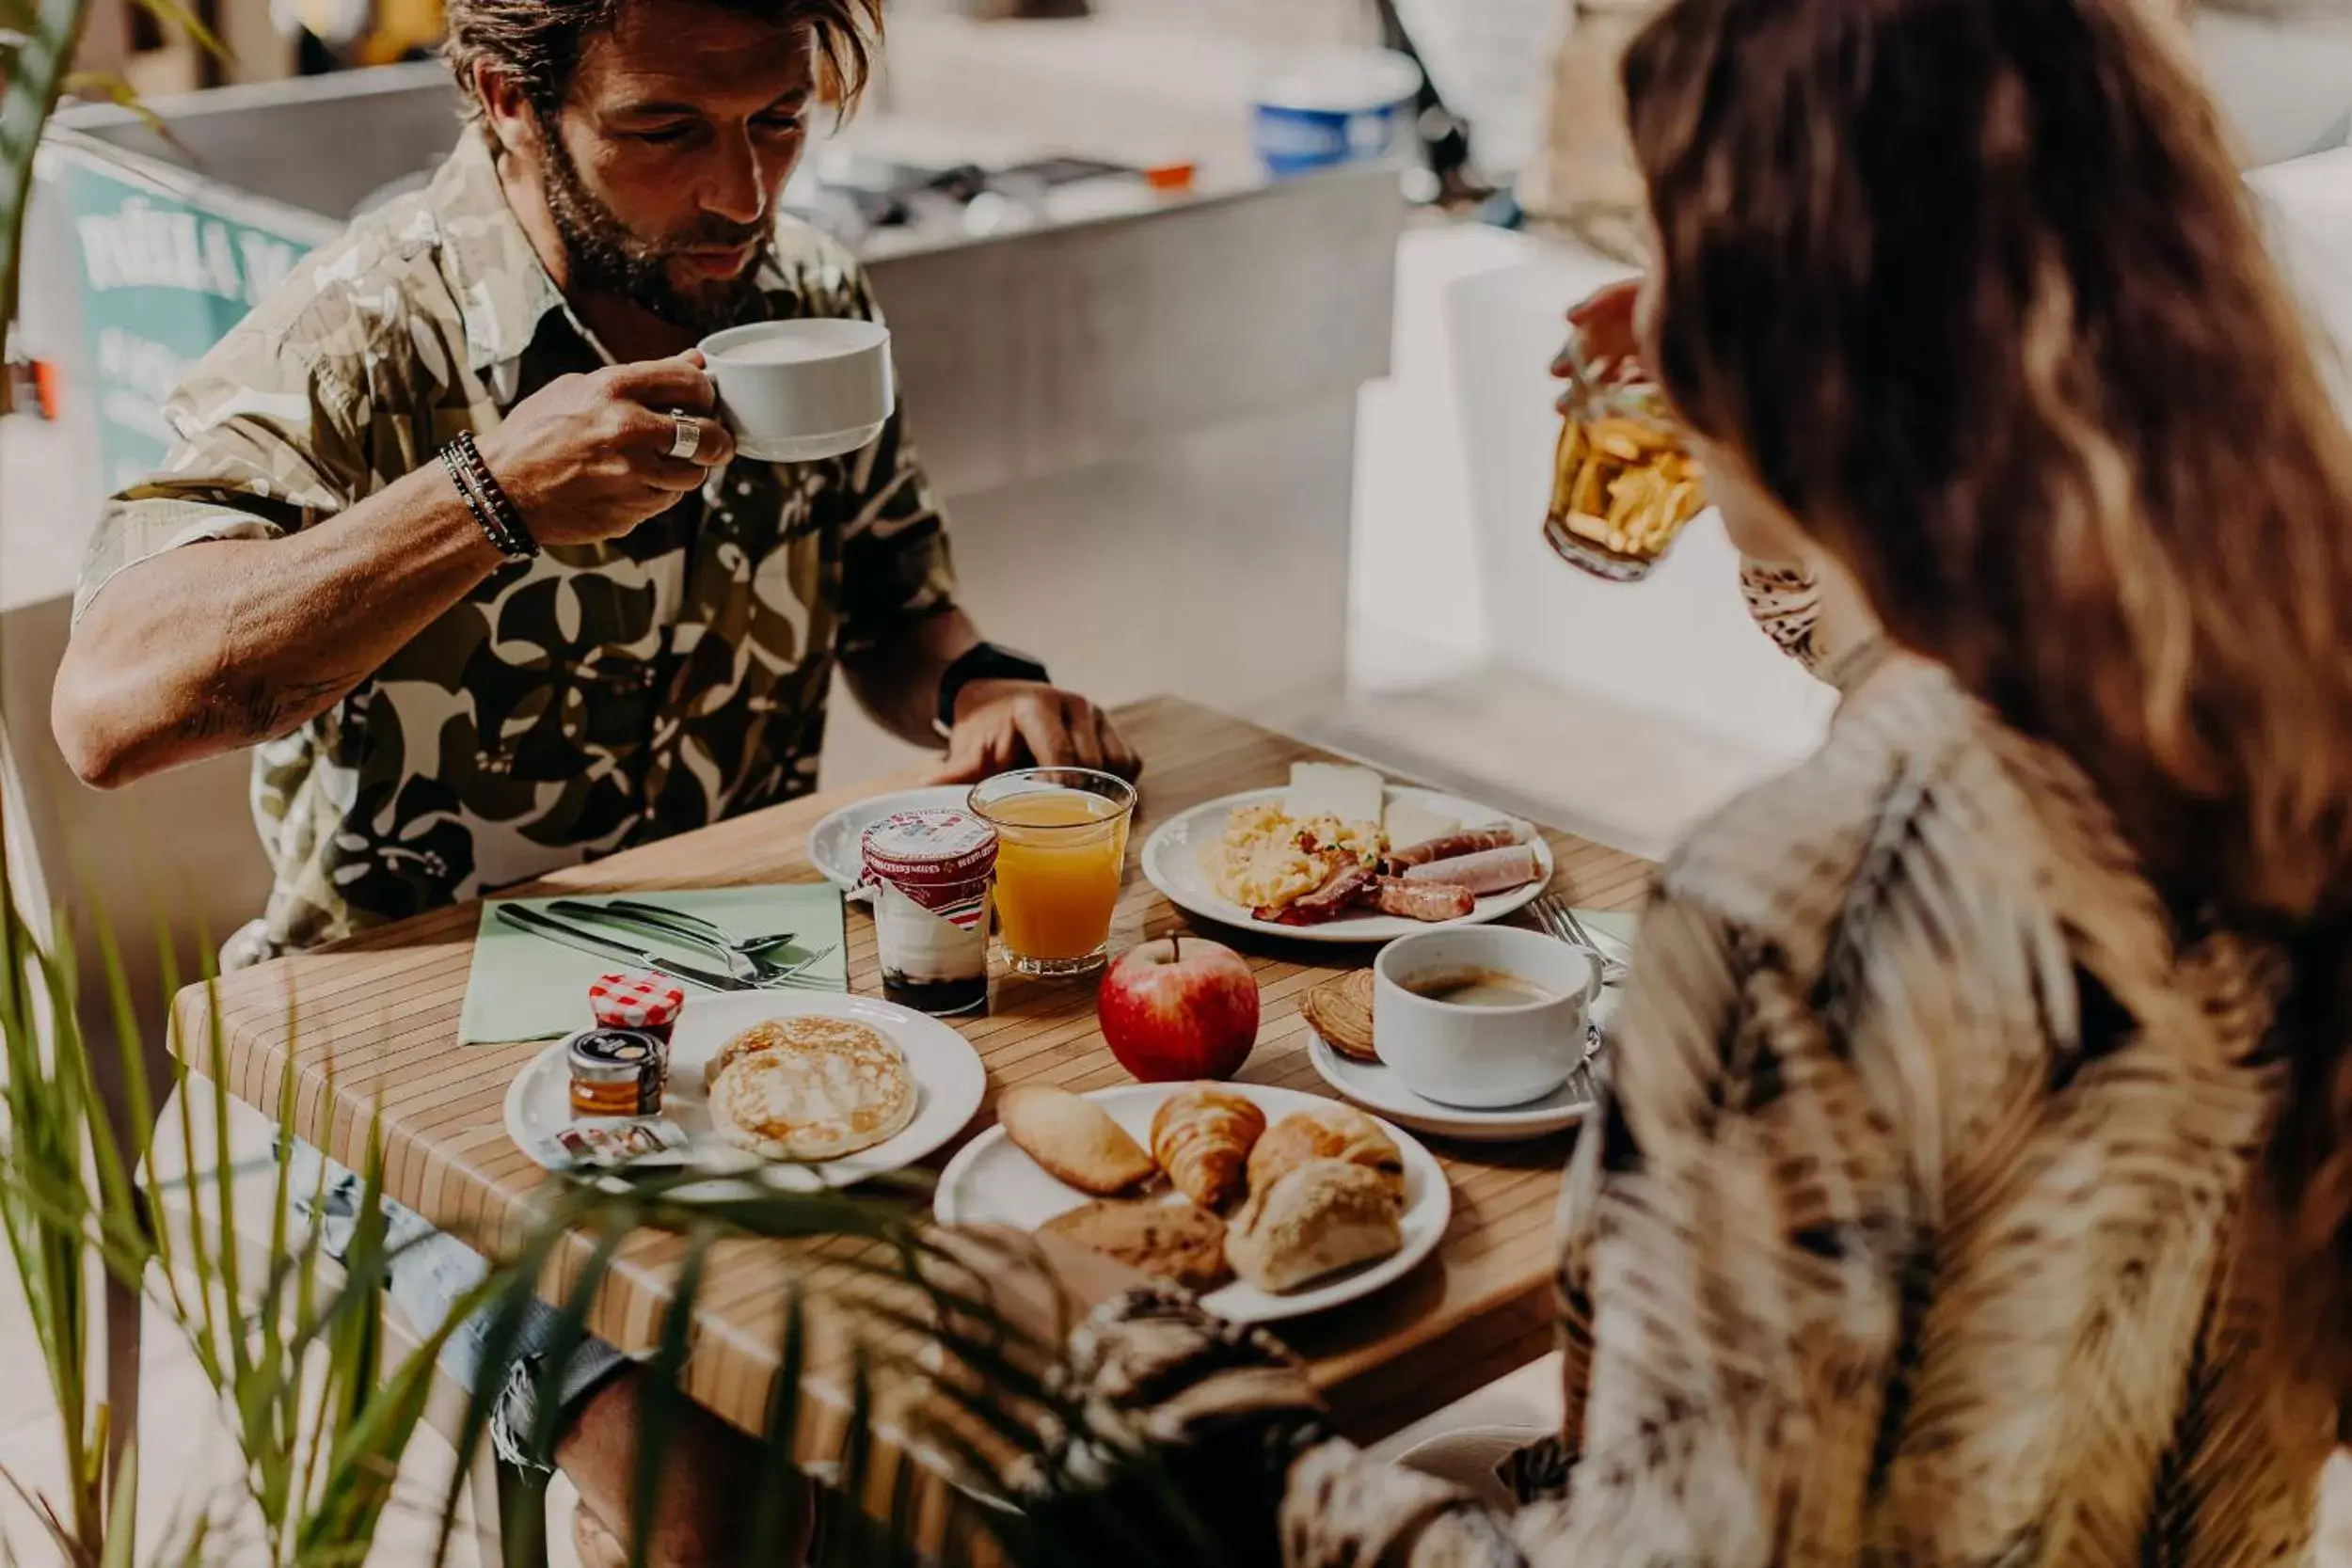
column 1341, row 1047
column 1270, row 1203
column 800, row 1091
column 1341, row 855
column 835, row 845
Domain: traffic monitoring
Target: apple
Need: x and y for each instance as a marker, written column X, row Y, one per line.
column 1179, row 1008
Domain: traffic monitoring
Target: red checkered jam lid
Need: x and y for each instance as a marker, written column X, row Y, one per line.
column 929, row 849
column 633, row 1000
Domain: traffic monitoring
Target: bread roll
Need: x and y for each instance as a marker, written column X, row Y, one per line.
column 1074, row 1139
column 1333, row 1131
column 1319, row 1217
column 1202, row 1137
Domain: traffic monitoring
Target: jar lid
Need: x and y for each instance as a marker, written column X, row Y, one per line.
column 929, row 849
column 633, row 1000
column 611, row 1056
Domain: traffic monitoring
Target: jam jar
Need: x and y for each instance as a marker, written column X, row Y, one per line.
column 615, row 1073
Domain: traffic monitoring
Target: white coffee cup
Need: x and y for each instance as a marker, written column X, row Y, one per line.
column 1483, row 1057
column 794, row 391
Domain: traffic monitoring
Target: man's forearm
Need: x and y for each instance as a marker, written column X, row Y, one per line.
column 897, row 681
column 210, row 648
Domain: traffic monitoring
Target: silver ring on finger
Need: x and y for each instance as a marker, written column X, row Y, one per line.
column 686, row 435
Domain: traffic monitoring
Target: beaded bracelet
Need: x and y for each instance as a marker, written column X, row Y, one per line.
column 494, row 512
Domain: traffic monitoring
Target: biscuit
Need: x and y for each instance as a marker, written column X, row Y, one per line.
column 1341, row 1011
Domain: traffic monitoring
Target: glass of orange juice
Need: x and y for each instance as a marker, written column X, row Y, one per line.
column 1061, row 848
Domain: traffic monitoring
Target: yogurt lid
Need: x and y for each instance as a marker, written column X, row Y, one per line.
column 930, row 847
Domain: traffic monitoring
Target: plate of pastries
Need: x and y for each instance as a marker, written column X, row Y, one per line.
column 1268, row 1203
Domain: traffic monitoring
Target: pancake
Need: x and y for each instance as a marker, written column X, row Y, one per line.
column 809, row 1089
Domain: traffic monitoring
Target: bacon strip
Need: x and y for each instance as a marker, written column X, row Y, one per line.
column 1421, row 900
column 1339, row 891
column 1452, row 847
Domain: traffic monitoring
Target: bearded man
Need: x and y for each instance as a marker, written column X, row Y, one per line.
column 451, row 537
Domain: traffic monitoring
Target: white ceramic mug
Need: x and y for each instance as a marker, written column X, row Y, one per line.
column 1483, row 1058
column 794, row 391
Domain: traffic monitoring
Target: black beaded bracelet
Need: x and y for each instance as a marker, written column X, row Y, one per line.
column 493, row 510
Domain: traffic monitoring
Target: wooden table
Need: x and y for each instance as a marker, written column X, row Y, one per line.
column 370, row 1026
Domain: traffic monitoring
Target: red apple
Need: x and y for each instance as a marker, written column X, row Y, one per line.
column 1179, row 1008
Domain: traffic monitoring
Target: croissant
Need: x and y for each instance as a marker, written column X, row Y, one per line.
column 1333, row 1131
column 1200, row 1137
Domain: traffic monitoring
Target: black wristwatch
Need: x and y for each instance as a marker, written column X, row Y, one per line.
column 982, row 661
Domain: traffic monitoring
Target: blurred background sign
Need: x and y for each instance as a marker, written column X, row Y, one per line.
column 164, row 270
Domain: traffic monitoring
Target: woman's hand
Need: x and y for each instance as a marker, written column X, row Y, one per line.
column 1611, row 342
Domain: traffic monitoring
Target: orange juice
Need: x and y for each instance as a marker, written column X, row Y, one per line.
column 1058, row 857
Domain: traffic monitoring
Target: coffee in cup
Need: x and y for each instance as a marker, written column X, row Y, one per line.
column 1483, row 1016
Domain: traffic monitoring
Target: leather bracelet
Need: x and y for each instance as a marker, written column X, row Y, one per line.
column 493, row 510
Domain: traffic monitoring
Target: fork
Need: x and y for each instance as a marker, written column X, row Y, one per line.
column 1553, row 913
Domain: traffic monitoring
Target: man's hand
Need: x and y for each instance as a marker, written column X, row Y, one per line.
column 587, row 457
column 1001, row 725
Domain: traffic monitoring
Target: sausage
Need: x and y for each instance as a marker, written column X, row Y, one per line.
column 1452, row 847
column 1425, row 900
column 1339, row 891
column 1487, row 871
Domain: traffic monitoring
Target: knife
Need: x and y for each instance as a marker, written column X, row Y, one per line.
column 588, row 942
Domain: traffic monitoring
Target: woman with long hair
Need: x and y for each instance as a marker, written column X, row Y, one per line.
column 1974, row 1182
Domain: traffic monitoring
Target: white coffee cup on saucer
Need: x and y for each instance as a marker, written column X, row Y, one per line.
column 1483, row 1016
column 794, row 391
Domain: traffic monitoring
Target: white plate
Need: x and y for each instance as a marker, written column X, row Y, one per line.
column 1171, row 863
column 948, row 1079
column 1379, row 1090
column 835, row 844
column 991, row 1182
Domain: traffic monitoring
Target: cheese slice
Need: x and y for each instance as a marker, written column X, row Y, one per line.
column 1333, row 789
column 1409, row 824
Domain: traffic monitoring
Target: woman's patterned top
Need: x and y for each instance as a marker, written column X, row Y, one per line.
column 1918, row 1226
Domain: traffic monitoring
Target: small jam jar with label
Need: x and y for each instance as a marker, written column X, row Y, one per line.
column 932, row 874
column 649, row 1003
column 615, row 1073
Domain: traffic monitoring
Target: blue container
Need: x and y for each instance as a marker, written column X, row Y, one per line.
column 1334, row 106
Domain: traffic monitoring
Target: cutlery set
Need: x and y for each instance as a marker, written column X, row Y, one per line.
column 749, row 961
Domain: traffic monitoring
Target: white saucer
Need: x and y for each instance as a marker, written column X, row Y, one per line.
column 1379, row 1089
column 837, row 845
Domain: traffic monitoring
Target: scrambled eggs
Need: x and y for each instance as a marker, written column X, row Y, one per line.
column 1263, row 860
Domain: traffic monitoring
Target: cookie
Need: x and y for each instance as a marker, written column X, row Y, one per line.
column 1175, row 1241
column 1341, row 1011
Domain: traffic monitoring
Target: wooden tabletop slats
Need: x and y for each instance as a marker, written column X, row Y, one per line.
column 369, row 1028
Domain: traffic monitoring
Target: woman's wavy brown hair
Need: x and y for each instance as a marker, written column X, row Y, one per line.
column 1973, row 289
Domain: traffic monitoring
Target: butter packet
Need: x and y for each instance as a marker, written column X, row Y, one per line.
column 603, row 1144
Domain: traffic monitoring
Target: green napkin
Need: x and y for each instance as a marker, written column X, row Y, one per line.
column 525, row 986
column 1620, row 924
